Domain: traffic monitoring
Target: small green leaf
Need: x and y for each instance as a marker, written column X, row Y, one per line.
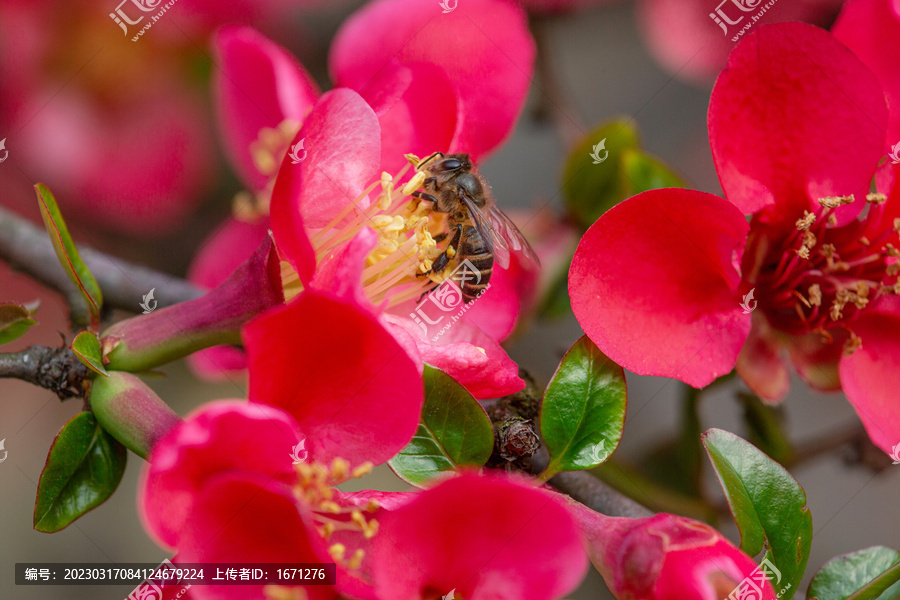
column 643, row 173
column 868, row 571
column 83, row 469
column 768, row 505
column 454, row 432
column 67, row 253
column 86, row 347
column 592, row 187
column 583, row 411
column 15, row 320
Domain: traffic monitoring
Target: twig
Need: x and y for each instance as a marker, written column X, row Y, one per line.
column 55, row 369
column 598, row 496
column 28, row 249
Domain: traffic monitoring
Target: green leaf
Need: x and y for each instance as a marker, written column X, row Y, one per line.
column 67, row 253
column 868, row 571
column 83, row 469
column 591, row 189
column 15, row 321
column 86, row 347
column 767, row 503
column 643, row 173
column 454, row 432
column 583, row 411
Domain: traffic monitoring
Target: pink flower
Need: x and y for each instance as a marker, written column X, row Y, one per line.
column 485, row 537
column 664, row 557
column 871, row 28
column 448, row 85
column 687, row 41
column 676, row 283
column 339, row 237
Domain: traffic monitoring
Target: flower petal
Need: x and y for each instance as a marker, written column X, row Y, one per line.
column 258, row 84
column 483, row 46
column 464, row 352
column 871, row 28
column 871, row 375
column 795, row 117
column 245, row 518
column 486, row 537
column 342, row 140
column 761, row 364
column 332, row 365
column 209, row 442
column 654, row 284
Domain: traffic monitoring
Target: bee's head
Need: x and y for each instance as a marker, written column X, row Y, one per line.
column 452, row 164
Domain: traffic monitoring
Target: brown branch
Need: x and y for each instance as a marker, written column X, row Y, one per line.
column 598, row 496
column 55, row 369
column 27, row 248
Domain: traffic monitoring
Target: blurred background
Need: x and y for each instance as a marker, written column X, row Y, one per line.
column 77, row 100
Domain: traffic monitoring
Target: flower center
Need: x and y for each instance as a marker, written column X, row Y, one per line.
column 315, row 489
column 399, row 266
column 823, row 275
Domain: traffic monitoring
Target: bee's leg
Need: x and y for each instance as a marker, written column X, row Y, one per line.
column 429, row 180
column 440, row 237
column 424, row 196
column 441, row 262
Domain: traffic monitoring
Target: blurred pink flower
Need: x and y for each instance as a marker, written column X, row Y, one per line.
column 813, row 275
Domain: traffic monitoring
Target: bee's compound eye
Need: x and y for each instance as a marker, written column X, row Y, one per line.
column 451, row 164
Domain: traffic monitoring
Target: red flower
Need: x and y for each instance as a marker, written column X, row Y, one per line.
column 665, row 282
column 666, row 557
column 447, row 86
column 485, row 537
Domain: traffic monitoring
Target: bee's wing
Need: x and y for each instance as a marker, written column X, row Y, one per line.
column 495, row 243
column 506, row 230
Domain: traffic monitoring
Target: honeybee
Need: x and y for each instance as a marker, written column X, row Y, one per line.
column 482, row 233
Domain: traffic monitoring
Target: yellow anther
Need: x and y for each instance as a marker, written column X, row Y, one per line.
column 807, row 220
column 876, row 198
column 371, row 529
column 337, row 552
column 835, row 201
column 853, row 344
column 412, row 159
column 815, row 295
column 451, row 251
column 897, row 224
column 330, row 506
column 372, row 506
column 339, row 469
column 414, row 183
column 357, row 559
column 361, row 470
column 891, row 251
column 358, row 519
column 327, row 529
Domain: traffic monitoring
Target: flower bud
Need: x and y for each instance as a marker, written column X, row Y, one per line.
column 147, row 341
column 130, row 411
column 667, row 557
